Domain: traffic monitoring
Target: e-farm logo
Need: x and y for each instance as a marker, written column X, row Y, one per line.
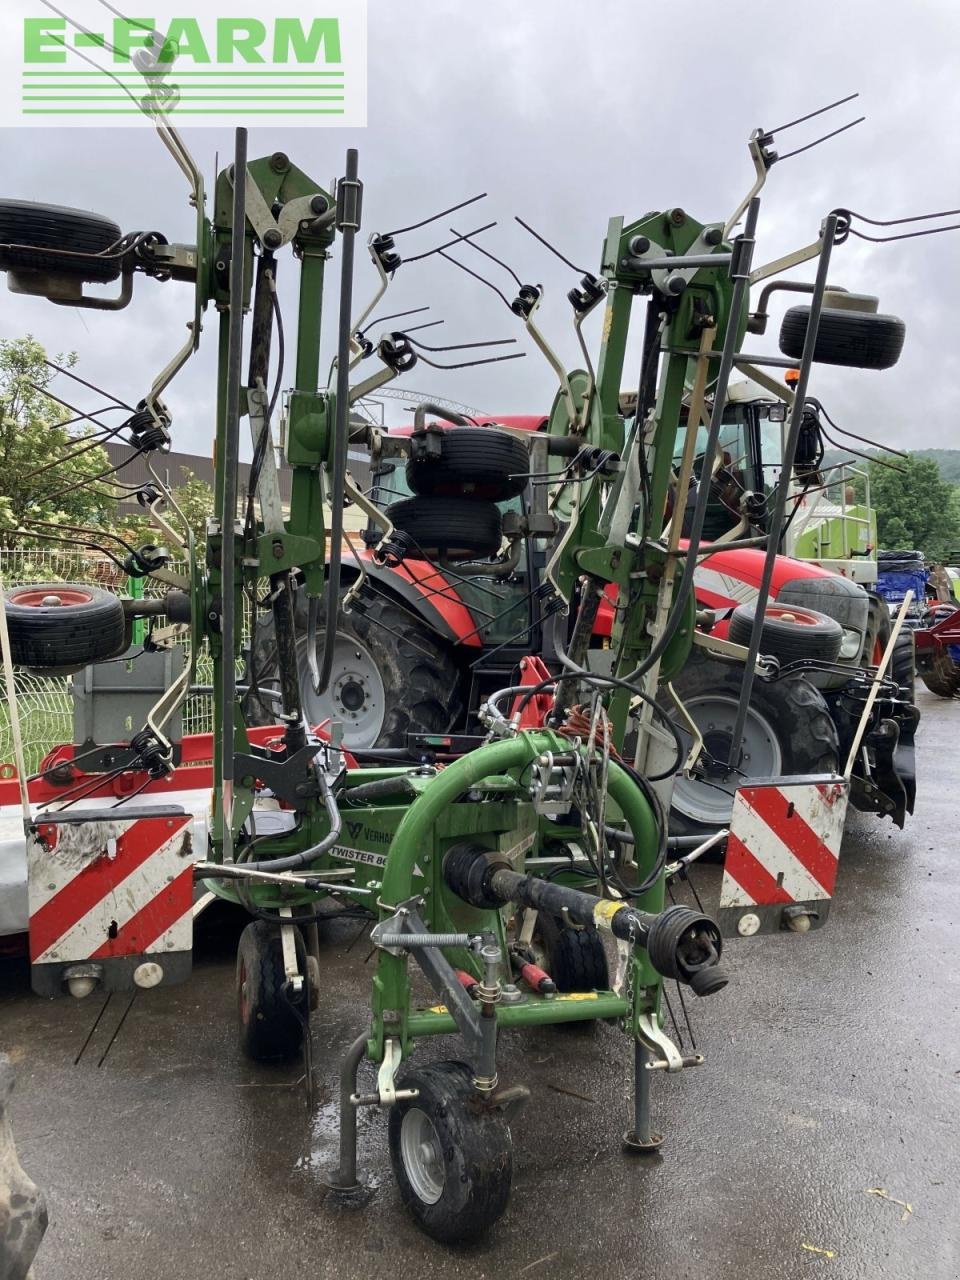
column 87, row 62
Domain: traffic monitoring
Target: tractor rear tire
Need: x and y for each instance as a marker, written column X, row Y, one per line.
column 455, row 528
column 943, row 678
column 789, row 732
column 855, row 339
column 474, row 462
column 64, row 625
column 29, row 232
column 789, row 632
column 392, row 676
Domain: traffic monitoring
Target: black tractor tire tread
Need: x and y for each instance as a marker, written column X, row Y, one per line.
column 903, row 664
column 943, row 677
column 421, row 679
column 789, row 641
column 854, row 339
column 273, row 1032
column 480, row 463
column 809, row 745
column 458, row 527
column 477, row 1149
column 55, row 636
column 49, row 226
column 578, row 961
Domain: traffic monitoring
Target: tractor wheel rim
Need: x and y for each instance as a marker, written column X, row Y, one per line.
column 51, row 597
column 711, row 801
column 792, row 613
column 355, row 695
column 422, row 1155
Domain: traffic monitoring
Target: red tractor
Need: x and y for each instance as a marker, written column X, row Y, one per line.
column 420, row 645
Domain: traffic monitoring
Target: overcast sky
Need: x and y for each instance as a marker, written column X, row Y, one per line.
column 568, row 113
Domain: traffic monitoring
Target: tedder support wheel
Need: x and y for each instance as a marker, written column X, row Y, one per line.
column 392, row 675
column 270, row 1028
column 28, row 229
column 576, row 959
column 788, row 730
column 456, row 528
column 64, row 625
column 478, row 462
column 789, row 632
column 451, row 1154
column 856, row 339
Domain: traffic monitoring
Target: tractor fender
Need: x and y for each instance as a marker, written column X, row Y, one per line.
column 425, row 591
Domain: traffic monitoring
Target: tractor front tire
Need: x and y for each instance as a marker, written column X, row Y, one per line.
column 943, row 677
column 789, row 732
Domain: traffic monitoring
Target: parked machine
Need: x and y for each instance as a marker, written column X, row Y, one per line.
column 471, row 872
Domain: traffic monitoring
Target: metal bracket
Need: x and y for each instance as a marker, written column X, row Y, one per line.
column 668, row 1056
column 291, row 966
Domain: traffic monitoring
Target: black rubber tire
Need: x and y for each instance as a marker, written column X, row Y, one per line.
column 943, row 677
column 458, row 528
column 421, row 680
column 475, row 1146
column 891, row 557
column 780, row 638
column 878, row 631
column 855, row 339
column 578, row 961
column 903, row 664
column 270, row 1030
column 475, row 462
column 65, row 636
column 49, row 226
column 806, row 733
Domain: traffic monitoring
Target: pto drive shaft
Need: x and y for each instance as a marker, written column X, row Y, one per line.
column 681, row 943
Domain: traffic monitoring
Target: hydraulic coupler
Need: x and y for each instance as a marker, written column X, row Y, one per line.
column 681, row 943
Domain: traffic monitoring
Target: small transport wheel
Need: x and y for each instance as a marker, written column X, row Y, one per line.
column 456, row 528
column 789, row 632
column 789, row 731
column 576, row 959
column 856, row 339
column 392, row 675
column 64, row 625
column 270, row 1030
column 451, row 1153
column 27, row 230
column 476, row 462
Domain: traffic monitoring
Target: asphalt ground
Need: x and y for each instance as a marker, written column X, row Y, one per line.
column 830, row 1094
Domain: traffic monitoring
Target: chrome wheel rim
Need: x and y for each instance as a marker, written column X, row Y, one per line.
column 422, row 1155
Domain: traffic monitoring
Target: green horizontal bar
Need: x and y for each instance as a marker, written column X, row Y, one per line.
column 139, row 75
column 73, row 97
column 190, row 111
column 537, row 1012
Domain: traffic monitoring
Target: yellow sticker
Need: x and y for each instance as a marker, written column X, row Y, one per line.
column 577, row 995
column 437, row 1008
column 604, row 911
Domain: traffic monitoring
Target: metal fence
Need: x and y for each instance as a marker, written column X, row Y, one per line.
column 46, row 702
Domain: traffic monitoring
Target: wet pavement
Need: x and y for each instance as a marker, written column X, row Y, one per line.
column 833, row 1067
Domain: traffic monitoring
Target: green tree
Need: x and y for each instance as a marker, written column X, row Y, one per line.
column 194, row 497
column 916, row 508
column 43, row 474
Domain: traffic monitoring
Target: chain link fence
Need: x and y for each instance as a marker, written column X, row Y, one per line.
column 46, row 702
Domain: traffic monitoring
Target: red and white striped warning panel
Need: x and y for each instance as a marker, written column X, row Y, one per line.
column 782, row 855
column 116, row 895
